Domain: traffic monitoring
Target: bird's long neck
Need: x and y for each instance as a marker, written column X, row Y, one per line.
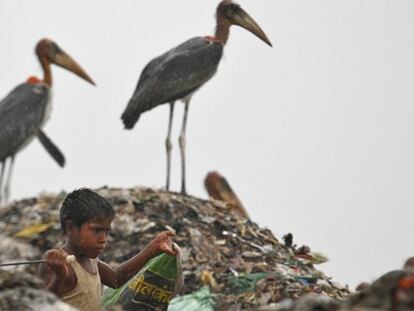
column 47, row 74
column 222, row 29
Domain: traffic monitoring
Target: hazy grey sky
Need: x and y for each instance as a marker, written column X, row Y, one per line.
column 315, row 135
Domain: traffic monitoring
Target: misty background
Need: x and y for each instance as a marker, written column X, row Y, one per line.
column 315, row 135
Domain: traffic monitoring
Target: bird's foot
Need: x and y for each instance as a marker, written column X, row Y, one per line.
column 6, row 195
column 184, row 192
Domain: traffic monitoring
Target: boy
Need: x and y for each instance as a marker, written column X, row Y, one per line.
column 85, row 220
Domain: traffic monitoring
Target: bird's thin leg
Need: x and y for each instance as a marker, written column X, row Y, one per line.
column 8, row 181
column 3, row 165
column 168, row 145
column 182, row 146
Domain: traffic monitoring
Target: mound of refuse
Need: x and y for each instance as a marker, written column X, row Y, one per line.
column 240, row 262
column 229, row 262
column 23, row 291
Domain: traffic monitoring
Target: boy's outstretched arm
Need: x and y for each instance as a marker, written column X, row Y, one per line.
column 55, row 272
column 116, row 277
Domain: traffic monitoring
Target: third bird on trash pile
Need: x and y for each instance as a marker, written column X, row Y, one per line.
column 178, row 73
column 24, row 111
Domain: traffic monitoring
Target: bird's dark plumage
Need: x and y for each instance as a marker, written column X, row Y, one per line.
column 173, row 75
column 51, row 148
column 22, row 113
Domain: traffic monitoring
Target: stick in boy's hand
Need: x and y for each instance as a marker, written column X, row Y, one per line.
column 163, row 243
column 57, row 260
column 69, row 259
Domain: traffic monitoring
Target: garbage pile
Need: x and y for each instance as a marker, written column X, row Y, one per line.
column 23, row 291
column 244, row 265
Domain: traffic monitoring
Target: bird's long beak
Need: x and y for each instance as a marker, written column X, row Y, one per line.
column 65, row 61
column 244, row 20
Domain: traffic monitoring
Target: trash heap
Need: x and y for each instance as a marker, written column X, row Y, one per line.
column 243, row 265
column 22, row 291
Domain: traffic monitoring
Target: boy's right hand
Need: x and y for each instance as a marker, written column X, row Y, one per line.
column 56, row 260
column 162, row 243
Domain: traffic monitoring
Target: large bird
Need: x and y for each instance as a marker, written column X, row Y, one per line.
column 178, row 73
column 24, row 111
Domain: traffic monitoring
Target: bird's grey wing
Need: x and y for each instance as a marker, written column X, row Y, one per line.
column 158, row 63
column 180, row 71
column 174, row 75
column 22, row 113
column 51, row 148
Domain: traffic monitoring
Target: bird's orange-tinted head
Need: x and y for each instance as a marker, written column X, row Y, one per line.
column 49, row 51
column 409, row 265
column 233, row 14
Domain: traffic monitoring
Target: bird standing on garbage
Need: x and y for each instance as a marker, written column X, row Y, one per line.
column 178, row 73
column 24, row 111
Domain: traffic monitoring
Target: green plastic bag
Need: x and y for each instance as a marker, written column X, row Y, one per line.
column 150, row 289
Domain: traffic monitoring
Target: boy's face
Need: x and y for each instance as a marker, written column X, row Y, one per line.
column 91, row 238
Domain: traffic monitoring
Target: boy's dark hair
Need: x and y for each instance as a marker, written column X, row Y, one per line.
column 83, row 205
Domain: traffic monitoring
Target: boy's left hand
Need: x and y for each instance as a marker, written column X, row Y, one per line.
column 163, row 243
